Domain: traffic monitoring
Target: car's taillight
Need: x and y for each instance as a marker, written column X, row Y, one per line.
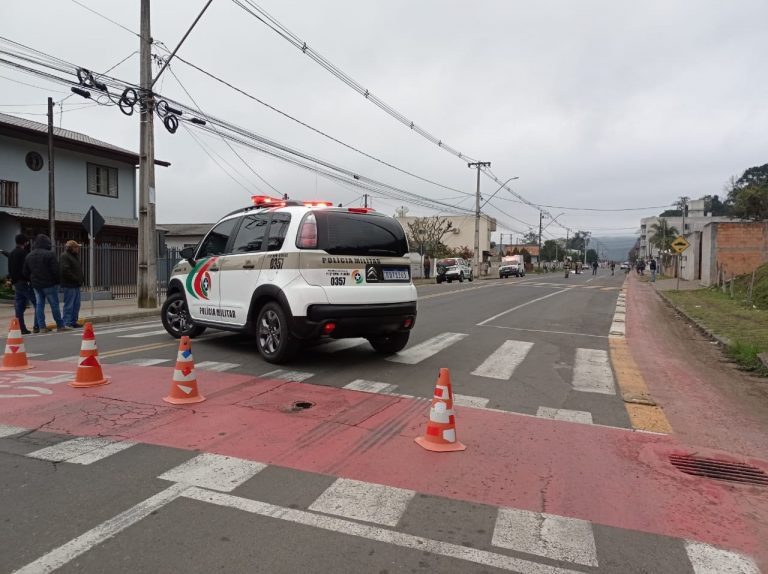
column 308, row 233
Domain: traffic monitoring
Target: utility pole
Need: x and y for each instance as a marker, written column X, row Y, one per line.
column 365, row 200
column 567, row 231
column 586, row 243
column 147, row 276
column 683, row 209
column 51, row 187
column 478, row 165
column 541, row 217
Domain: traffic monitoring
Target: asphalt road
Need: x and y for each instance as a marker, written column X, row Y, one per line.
column 536, row 346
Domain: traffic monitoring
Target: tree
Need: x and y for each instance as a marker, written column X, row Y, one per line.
column 662, row 235
column 671, row 213
column 531, row 238
column 579, row 240
column 427, row 233
column 748, row 195
column 464, row 252
column 591, row 256
column 715, row 207
column 516, row 251
column 551, row 250
column 526, row 255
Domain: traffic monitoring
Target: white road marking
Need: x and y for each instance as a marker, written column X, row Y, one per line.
column 7, row 430
column 339, row 345
column 504, row 360
column 418, row 353
column 72, row 359
column 67, row 552
column 522, row 305
column 110, row 330
column 370, row 386
column 30, row 355
column 467, row 401
column 592, row 372
column 141, row 335
column 555, row 537
column 290, row 376
column 81, row 450
column 143, row 362
column 707, row 559
column 364, row 501
column 565, row 415
column 375, row 533
column 214, row 366
column 214, row 471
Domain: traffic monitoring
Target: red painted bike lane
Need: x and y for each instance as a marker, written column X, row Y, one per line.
column 605, row 475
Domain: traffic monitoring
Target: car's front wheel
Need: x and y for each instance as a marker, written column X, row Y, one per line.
column 471, row 276
column 273, row 338
column 176, row 320
column 386, row 345
column 461, row 277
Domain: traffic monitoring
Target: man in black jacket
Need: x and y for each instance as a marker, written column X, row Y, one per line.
column 71, row 281
column 22, row 291
column 42, row 270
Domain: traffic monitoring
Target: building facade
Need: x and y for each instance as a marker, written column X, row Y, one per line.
column 462, row 233
column 88, row 172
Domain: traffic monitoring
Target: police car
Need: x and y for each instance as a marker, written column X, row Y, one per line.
column 290, row 271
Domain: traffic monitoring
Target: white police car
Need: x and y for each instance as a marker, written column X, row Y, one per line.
column 291, row 271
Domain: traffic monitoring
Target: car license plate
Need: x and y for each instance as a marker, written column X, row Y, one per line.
column 396, row 275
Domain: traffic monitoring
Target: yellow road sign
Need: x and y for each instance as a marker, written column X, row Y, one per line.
column 680, row 244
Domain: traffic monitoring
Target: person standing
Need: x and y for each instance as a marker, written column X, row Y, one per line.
column 652, row 267
column 613, row 267
column 426, row 266
column 71, row 282
column 22, row 292
column 42, row 270
column 594, row 267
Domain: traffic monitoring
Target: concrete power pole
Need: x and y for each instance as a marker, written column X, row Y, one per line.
column 51, row 187
column 478, row 165
column 147, row 275
column 541, row 217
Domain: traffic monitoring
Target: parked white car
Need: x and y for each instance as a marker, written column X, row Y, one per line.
column 453, row 268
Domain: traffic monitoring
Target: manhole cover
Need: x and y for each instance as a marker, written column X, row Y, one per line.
column 719, row 469
column 302, row 405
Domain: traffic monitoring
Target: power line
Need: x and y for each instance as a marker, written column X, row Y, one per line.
column 100, row 15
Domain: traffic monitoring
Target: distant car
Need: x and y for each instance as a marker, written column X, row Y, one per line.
column 626, row 265
column 514, row 269
column 453, row 268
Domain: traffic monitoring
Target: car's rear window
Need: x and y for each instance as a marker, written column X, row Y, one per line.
column 447, row 262
column 344, row 233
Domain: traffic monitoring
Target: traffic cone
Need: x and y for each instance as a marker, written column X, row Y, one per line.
column 89, row 373
column 184, row 384
column 15, row 357
column 440, row 435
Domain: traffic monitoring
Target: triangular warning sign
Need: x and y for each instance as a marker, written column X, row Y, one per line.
column 185, row 389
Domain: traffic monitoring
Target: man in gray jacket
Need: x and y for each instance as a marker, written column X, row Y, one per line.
column 42, row 270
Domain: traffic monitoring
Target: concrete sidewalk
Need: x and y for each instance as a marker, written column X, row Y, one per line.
column 105, row 311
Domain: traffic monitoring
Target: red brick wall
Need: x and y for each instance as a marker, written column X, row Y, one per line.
column 741, row 247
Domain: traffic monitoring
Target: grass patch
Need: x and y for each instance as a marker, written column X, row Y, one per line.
column 745, row 328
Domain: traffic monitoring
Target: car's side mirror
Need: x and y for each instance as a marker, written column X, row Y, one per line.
column 188, row 253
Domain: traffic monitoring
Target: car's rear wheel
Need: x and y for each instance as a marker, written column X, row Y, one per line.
column 273, row 338
column 176, row 320
column 461, row 277
column 471, row 276
column 386, row 345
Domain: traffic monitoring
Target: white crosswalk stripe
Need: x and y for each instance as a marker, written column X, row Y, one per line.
column 467, row 401
column 7, row 430
column 547, row 535
column 370, row 386
column 290, row 376
column 143, row 362
column 215, row 366
column 504, row 360
column 214, row 471
column 592, row 372
column 145, row 334
column 565, row 415
column 707, row 559
column 422, row 351
column 81, row 450
column 111, row 330
column 364, row 501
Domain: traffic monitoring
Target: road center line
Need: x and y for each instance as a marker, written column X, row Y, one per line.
column 375, row 533
column 521, row 306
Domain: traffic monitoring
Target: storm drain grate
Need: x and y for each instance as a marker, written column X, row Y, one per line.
column 719, row 469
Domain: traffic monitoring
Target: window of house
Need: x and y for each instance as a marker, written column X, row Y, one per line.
column 9, row 193
column 102, row 180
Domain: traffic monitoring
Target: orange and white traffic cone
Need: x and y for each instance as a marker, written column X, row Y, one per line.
column 89, row 373
column 440, row 435
column 15, row 357
column 184, row 384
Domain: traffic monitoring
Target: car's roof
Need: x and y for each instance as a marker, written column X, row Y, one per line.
column 293, row 209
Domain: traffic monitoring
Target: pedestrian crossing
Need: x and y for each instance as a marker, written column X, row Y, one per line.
column 512, row 539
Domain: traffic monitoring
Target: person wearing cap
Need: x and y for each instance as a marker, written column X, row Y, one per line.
column 22, row 292
column 71, row 281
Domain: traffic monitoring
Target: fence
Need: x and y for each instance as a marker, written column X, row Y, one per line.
column 116, row 270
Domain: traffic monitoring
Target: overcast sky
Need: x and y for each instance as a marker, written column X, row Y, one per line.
column 601, row 104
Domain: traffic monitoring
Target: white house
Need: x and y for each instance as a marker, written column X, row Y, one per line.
column 88, row 172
